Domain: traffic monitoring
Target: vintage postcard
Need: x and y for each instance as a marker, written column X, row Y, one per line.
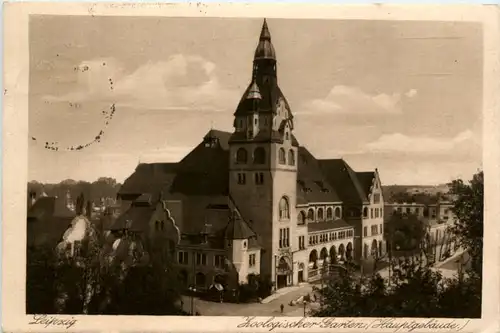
column 223, row 167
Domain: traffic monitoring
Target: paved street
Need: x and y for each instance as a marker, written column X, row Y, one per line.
column 271, row 308
column 447, row 267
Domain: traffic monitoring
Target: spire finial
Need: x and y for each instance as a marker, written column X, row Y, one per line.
column 264, row 34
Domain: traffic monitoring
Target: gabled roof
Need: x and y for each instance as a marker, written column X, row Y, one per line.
column 134, row 219
column 238, row 229
column 204, row 171
column 328, row 225
column 48, row 207
column 312, row 185
column 344, row 180
column 149, row 178
column 221, row 136
column 48, row 219
column 366, row 180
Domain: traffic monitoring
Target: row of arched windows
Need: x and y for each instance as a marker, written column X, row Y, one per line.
column 259, row 156
column 283, row 158
column 330, row 212
column 284, row 213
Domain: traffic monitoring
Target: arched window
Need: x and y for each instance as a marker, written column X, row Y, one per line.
column 282, row 157
column 365, row 212
column 310, row 214
column 259, row 156
column 291, row 157
column 329, row 213
column 284, row 208
column 241, row 156
column 337, row 212
column 301, row 218
column 320, row 214
column 286, row 136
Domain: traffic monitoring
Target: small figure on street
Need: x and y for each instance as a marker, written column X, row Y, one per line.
column 282, row 307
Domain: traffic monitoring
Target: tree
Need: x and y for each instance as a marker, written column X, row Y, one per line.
column 468, row 208
column 406, row 235
column 40, row 274
column 417, row 290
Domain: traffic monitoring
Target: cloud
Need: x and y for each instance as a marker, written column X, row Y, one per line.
column 398, row 142
column 181, row 83
column 352, row 100
column 411, row 93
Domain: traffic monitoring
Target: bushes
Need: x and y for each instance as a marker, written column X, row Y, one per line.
column 257, row 287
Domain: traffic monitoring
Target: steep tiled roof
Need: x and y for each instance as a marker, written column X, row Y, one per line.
column 48, row 219
column 149, row 178
column 328, row 225
column 366, row 181
column 47, row 207
column 135, row 218
column 204, row 171
column 238, row 229
column 221, row 136
column 344, row 180
column 312, row 185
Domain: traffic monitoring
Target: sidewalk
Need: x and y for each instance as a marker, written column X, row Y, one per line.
column 455, row 256
column 281, row 292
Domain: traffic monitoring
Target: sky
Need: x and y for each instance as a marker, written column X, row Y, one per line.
column 400, row 96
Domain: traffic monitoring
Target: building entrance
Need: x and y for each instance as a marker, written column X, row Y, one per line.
column 282, row 281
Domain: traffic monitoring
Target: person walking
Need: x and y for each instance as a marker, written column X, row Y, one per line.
column 282, row 307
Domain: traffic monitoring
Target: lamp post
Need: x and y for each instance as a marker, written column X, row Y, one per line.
column 193, row 288
column 326, row 261
column 275, row 272
column 304, row 302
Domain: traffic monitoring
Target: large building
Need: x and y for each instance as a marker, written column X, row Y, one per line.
column 254, row 201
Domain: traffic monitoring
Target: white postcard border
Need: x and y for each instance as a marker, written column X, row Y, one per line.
column 15, row 148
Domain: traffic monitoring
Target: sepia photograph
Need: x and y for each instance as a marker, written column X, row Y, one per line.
column 256, row 166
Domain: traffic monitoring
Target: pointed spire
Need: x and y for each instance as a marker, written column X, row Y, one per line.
column 265, row 34
column 265, row 49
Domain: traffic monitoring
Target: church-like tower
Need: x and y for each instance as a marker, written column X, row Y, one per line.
column 263, row 164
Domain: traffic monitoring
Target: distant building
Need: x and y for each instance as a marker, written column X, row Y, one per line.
column 47, row 220
column 414, row 208
column 438, row 217
column 254, row 201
